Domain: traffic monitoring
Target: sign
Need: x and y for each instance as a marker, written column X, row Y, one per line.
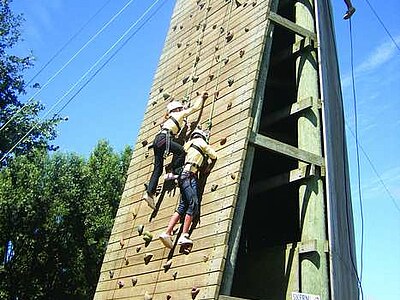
column 302, row 296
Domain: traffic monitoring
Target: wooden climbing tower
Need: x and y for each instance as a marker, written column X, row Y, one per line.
column 276, row 219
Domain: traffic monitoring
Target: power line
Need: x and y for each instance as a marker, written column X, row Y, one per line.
column 83, row 76
column 67, row 63
column 383, row 25
column 67, row 43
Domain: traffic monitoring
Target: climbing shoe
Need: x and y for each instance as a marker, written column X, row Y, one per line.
column 166, row 239
column 184, row 239
column 349, row 13
column 149, row 199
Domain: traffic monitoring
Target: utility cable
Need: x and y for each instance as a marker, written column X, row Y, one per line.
column 67, row 43
column 383, row 25
column 358, row 158
column 66, row 64
column 82, row 77
column 376, row 172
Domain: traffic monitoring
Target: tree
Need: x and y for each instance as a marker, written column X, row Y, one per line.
column 58, row 211
column 16, row 118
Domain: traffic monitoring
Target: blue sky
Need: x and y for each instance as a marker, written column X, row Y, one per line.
column 112, row 105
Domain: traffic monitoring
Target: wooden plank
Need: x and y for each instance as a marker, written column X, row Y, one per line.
column 285, row 149
column 290, row 110
column 277, row 19
column 282, row 179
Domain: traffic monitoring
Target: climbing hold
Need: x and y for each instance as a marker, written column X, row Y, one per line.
column 195, row 78
column 214, row 187
column 134, row 212
column 160, row 90
column 222, row 141
column 216, row 94
column 121, row 242
column 140, row 229
column 216, row 48
column 178, row 67
column 246, row 29
column 144, row 143
column 198, row 26
column 241, row 53
column 199, row 42
column 146, row 155
column 217, row 58
column 154, row 122
column 134, row 280
column 205, row 258
column 222, row 30
column 167, row 265
column 190, row 54
column 148, row 257
column 196, row 61
column 166, row 96
column 238, row 4
column 195, row 291
column 174, row 27
column 154, row 102
column 179, row 45
column 175, row 274
column 202, row 5
column 126, row 260
column 191, row 16
column 254, row 3
column 120, row 283
column 231, row 81
column 229, row 106
column 226, row 60
column 209, row 8
column 211, row 77
column 214, row 26
column 204, row 27
column 147, row 296
column 181, row 27
column 185, row 79
column 138, row 249
column 233, row 176
column 229, row 36
column 111, row 273
column 169, row 296
column 147, row 236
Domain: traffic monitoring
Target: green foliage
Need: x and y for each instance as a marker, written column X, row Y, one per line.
column 58, row 211
column 12, row 85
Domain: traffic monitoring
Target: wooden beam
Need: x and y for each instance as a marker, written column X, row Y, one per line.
column 283, row 179
column 288, row 111
column 277, row 19
column 292, row 51
column 285, row 149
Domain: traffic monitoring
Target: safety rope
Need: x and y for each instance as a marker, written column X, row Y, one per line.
column 209, row 125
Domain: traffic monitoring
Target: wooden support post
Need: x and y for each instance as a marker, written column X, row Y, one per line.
column 313, row 265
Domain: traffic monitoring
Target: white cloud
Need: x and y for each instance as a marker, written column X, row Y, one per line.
column 377, row 58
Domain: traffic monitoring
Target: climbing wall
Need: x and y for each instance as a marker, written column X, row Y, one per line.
column 217, row 46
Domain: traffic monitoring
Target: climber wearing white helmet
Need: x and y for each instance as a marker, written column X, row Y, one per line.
column 164, row 143
column 198, row 153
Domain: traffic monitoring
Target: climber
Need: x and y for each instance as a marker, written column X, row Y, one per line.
column 350, row 10
column 198, row 154
column 164, row 143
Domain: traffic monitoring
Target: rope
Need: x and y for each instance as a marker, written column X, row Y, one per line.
column 219, row 72
column 358, row 160
column 66, row 64
column 83, row 76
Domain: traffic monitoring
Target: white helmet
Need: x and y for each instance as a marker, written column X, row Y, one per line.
column 202, row 133
column 173, row 105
